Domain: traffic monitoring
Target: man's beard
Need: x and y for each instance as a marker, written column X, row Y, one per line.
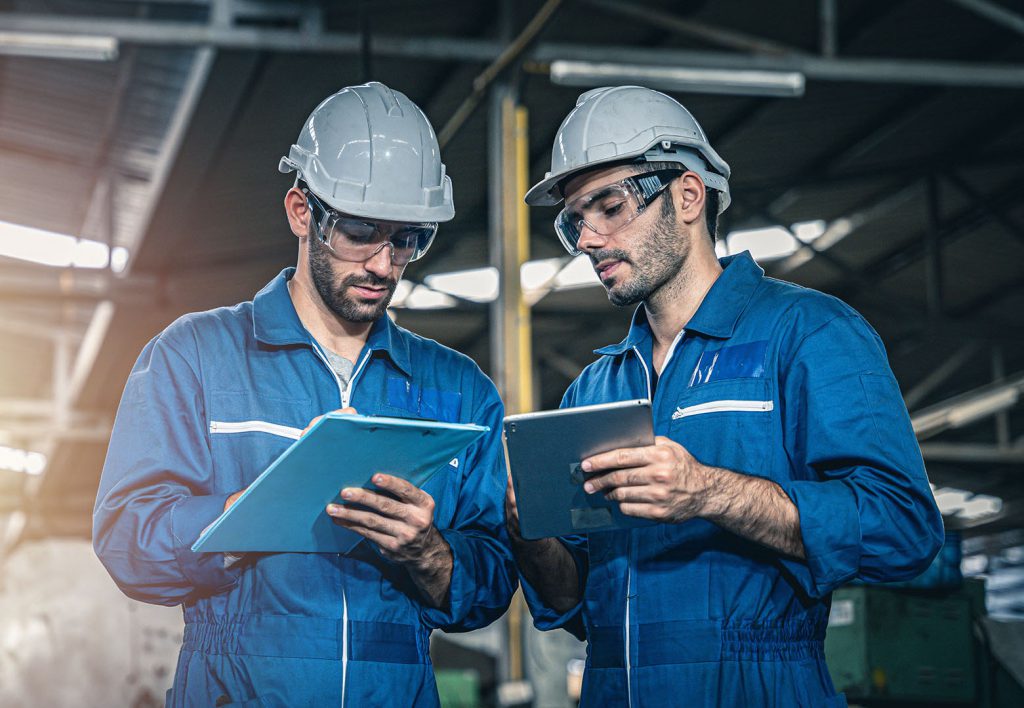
column 658, row 256
column 336, row 298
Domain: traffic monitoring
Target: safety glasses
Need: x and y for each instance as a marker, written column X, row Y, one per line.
column 354, row 239
column 610, row 208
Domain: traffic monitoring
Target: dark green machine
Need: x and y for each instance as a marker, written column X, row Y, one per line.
column 896, row 646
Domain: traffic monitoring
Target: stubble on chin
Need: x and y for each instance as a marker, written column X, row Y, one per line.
column 336, row 297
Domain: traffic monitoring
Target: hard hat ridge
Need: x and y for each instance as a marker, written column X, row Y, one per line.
column 369, row 151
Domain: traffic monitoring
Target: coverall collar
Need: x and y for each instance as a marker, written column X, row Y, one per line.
column 276, row 322
column 717, row 314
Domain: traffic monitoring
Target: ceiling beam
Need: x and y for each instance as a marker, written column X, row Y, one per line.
column 940, row 374
column 192, row 34
column 996, row 13
column 912, row 251
column 713, row 34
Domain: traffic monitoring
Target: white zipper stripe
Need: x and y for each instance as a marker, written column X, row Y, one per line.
column 347, row 396
column 723, row 406
column 647, row 373
column 334, row 375
column 672, row 349
column 255, row 426
column 344, row 644
column 629, row 559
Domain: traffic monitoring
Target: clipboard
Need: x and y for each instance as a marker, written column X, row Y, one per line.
column 545, row 450
column 284, row 509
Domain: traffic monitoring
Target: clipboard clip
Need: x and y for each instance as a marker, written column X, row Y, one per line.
column 576, row 473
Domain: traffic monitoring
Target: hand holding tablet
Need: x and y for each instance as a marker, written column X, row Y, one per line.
column 545, row 450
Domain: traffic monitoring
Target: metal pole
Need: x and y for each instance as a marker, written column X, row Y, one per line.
column 933, row 250
column 502, row 92
column 495, row 168
column 1002, row 417
column 829, row 40
column 516, row 248
column 365, row 64
column 509, row 55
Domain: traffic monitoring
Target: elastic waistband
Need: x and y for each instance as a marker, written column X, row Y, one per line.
column 308, row 638
column 693, row 641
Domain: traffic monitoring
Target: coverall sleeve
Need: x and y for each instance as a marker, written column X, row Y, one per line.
column 544, row 617
column 483, row 572
column 858, row 479
column 155, row 495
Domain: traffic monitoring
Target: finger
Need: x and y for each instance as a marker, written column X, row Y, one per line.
column 386, row 544
column 510, row 491
column 619, row 478
column 311, row 424
column 643, row 511
column 232, row 499
column 640, row 495
column 378, row 502
column 405, row 491
column 617, row 459
column 343, row 411
column 356, row 519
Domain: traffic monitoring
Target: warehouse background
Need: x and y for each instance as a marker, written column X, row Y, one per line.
column 876, row 156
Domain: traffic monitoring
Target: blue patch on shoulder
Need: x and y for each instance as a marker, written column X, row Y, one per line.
column 738, row 361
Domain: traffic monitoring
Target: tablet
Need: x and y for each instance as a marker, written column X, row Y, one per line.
column 545, row 450
column 284, row 509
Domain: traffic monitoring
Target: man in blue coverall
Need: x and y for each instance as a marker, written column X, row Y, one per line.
column 218, row 395
column 784, row 463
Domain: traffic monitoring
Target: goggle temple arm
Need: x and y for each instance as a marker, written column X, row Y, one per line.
column 649, row 184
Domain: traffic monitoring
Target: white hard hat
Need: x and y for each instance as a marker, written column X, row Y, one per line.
column 369, row 151
column 622, row 123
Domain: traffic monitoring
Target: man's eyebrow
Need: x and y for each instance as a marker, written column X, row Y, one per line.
column 599, row 193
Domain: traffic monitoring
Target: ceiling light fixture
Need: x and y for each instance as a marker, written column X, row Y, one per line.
column 58, row 46
column 475, row 285
column 59, row 250
column 739, row 82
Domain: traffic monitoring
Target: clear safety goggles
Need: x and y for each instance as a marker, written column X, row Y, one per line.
column 355, row 239
column 607, row 209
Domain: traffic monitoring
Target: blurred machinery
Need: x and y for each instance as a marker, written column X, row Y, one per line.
column 924, row 643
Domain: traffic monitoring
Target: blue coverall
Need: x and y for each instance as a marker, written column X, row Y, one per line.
column 210, row 403
column 773, row 380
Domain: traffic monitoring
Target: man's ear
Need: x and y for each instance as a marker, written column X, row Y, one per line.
column 688, row 195
column 296, row 208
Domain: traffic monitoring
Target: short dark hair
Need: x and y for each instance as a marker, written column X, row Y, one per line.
column 712, row 198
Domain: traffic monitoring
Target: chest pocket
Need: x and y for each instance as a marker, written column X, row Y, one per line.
column 410, row 399
column 248, row 431
column 727, row 423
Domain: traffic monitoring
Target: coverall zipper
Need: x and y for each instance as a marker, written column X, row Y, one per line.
column 345, row 397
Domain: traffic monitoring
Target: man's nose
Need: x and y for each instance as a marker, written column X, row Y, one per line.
column 590, row 239
column 380, row 262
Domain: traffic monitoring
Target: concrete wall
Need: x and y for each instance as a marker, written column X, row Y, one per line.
column 68, row 637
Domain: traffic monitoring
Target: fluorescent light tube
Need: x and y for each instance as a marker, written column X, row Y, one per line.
column 477, row 284
column 59, row 250
column 742, row 82
column 58, row 46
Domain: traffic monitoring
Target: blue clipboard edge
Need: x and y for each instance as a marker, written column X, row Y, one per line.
column 415, row 423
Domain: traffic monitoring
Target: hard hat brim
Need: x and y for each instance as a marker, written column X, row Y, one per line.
column 547, row 192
